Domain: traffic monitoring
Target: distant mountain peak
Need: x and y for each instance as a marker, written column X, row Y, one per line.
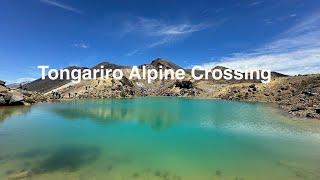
column 109, row 65
column 220, row 67
column 165, row 64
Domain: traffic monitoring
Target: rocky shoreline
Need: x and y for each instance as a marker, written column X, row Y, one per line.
column 296, row 95
column 290, row 97
column 299, row 95
column 16, row 96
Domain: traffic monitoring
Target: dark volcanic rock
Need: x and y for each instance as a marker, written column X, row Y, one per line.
column 252, row 86
column 108, row 65
column 126, row 81
column 46, row 85
column 184, row 84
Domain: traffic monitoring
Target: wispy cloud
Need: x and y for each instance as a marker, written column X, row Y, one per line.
column 62, row 6
column 161, row 32
column 255, row 3
column 133, row 52
column 81, row 45
column 296, row 51
column 274, row 21
column 24, row 79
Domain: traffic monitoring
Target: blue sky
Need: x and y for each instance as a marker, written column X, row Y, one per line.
column 279, row 35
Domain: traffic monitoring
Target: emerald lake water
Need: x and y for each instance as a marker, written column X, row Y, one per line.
column 157, row 138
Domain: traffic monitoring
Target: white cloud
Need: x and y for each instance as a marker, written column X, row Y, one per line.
column 20, row 80
column 160, row 32
column 133, row 52
column 255, row 3
column 62, row 6
column 81, row 45
column 296, row 51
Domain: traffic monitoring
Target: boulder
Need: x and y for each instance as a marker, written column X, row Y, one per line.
column 16, row 99
column 7, row 96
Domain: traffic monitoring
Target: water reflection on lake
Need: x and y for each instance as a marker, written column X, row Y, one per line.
column 156, row 138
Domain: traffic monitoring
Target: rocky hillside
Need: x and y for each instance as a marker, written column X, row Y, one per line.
column 45, row 85
column 298, row 95
column 166, row 64
column 108, row 65
column 18, row 85
column 10, row 96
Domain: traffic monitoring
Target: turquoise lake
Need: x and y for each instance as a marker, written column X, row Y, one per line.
column 157, row 138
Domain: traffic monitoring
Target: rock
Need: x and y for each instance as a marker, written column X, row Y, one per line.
column 126, row 81
column 2, row 83
column 3, row 89
column 20, row 175
column 284, row 87
column 310, row 115
column 309, row 93
column 16, row 99
column 278, row 99
column 26, row 93
column 184, row 84
column 147, row 66
column 188, row 92
column 252, row 86
column 236, row 91
column 298, row 108
column 2, row 101
column 7, row 97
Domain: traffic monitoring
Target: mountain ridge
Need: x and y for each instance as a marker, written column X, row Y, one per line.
column 46, row 85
